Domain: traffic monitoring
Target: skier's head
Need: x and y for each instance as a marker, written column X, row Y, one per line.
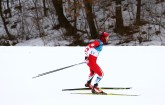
column 104, row 37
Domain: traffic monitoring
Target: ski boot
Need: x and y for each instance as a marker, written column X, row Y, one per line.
column 88, row 84
column 96, row 90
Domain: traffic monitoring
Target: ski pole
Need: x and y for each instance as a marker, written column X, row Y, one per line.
column 57, row 70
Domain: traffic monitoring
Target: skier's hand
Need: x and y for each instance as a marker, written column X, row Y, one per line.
column 86, row 58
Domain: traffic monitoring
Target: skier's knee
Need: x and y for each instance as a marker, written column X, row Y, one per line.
column 101, row 74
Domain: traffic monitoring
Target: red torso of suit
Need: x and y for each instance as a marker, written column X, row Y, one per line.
column 92, row 51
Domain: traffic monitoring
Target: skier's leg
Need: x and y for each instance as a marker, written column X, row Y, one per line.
column 90, row 77
column 95, row 69
column 100, row 74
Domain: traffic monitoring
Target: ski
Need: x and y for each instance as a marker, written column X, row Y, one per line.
column 109, row 94
column 102, row 88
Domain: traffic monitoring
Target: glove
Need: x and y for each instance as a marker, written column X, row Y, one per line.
column 86, row 58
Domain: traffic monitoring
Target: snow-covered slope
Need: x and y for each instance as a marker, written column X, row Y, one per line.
column 141, row 68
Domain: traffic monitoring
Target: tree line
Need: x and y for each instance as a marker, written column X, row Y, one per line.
column 23, row 20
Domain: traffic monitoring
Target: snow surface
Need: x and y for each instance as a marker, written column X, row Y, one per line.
column 141, row 68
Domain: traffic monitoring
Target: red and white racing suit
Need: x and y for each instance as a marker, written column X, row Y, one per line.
column 92, row 51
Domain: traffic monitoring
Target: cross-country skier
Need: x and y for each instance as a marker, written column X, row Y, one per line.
column 92, row 51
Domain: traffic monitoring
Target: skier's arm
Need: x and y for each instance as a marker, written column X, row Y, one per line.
column 94, row 44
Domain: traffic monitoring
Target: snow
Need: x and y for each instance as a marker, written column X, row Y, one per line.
column 141, row 68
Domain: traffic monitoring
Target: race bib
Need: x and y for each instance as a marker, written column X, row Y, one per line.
column 94, row 52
